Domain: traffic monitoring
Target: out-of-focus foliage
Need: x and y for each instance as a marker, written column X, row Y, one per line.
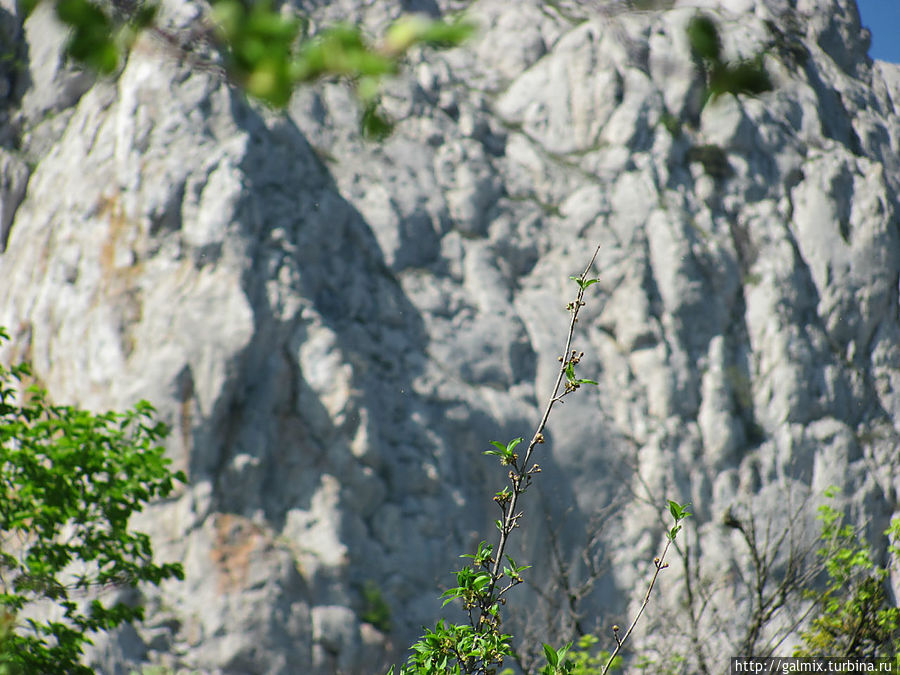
column 264, row 50
column 748, row 76
column 98, row 37
column 854, row 616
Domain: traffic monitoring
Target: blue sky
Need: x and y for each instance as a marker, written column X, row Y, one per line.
column 882, row 17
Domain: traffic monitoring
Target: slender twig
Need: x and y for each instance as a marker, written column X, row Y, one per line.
column 660, row 564
column 520, row 478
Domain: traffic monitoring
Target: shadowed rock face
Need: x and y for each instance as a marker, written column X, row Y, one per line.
column 335, row 329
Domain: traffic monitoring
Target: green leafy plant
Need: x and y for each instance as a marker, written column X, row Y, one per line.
column 556, row 660
column 480, row 646
column 854, row 615
column 679, row 512
column 580, row 659
column 69, row 482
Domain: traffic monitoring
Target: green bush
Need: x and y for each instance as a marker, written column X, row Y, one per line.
column 69, row 482
column 580, row 660
column 853, row 616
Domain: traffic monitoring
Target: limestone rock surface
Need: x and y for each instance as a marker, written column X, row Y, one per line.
column 335, row 329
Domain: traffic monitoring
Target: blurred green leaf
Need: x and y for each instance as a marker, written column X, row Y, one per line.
column 26, row 7
column 703, row 36
column 91, row 40
column 746, row 77
column 550, row 655
column 411, row 30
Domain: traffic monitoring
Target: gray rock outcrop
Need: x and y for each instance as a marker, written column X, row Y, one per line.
column 335, row 328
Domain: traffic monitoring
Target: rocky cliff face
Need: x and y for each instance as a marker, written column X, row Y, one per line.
column 335, row 329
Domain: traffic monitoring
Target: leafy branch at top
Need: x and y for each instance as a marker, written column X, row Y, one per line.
column 261, row 48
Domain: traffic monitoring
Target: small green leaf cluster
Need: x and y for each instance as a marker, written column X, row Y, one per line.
column 854, row 615
column 454, row 649
column 579, row 661
column 679, row 512
column 506, row 452
column 584, row 284
column 556, row 660
column 519, row 478
column 69, row 482
column 479, row 646
column 748, row 76
column 472, row 578
column 258, row 43
column 573, row 382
